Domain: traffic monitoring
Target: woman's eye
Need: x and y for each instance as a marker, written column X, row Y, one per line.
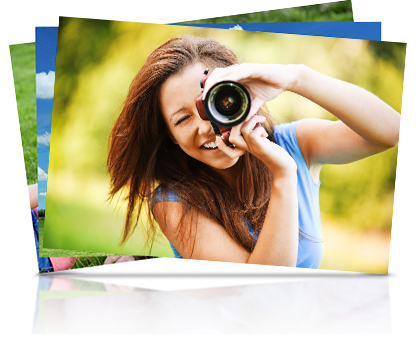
column 182, row 119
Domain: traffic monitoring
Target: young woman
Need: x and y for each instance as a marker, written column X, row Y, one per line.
column 254, row 203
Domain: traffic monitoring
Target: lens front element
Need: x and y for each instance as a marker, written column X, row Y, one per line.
column 227, row 103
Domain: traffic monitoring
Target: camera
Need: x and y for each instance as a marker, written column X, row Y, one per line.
column 226, row 105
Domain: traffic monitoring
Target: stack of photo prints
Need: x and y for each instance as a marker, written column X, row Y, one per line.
column 245, row 139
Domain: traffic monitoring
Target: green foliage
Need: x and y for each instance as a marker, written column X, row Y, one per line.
column 23, row 64
column 85, row 262
column 335, row 11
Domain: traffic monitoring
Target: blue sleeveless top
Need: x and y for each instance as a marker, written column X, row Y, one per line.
column 310, row 244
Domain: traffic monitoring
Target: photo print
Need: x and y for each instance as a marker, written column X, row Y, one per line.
column 46, row 38
column 355, row 199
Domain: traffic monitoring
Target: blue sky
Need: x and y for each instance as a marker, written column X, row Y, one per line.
column 46, row 50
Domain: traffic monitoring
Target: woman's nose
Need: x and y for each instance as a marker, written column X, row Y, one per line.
column 204, row 127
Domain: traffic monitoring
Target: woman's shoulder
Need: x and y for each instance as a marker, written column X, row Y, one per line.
column 161, row 194
column 285, row 135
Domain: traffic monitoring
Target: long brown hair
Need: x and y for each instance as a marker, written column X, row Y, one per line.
column 142, row 155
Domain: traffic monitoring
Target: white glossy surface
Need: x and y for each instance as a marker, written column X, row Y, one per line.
column 334, row 304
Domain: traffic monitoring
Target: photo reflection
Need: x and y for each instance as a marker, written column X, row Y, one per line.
column 334, row 304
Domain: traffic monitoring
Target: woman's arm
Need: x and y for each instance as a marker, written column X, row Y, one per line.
column 278, row 240
column 367, row 124
column 277, row 243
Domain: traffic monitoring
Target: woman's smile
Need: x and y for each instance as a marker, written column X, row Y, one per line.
column 210, row 145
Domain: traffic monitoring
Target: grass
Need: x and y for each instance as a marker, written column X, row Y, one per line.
column 84, row 262
column 337, row 11
column 23, row 64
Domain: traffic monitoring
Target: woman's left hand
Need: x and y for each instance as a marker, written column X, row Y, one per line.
column 264, row 81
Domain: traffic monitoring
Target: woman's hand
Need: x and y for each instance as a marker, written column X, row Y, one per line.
column 249, row 137
column 264, row 81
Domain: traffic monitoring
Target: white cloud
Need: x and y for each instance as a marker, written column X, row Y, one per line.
column 42, row 175
column 44, row 139
column 237, row 27
column 43, row 194
column 45, row 85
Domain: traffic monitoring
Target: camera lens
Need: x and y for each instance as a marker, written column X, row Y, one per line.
column 227, row 103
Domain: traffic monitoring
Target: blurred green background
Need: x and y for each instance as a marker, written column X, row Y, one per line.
column 92, row 79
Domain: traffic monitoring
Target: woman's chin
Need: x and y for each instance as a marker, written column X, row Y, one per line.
column 225, row 164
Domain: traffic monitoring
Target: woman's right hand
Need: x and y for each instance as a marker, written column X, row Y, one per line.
column 248, row 137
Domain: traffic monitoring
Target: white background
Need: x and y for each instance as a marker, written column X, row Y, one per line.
column 19, row 267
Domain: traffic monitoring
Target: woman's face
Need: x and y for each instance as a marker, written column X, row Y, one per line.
column 195, row 136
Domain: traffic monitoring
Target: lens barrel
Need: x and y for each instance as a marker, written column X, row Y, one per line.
column 227, row 103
